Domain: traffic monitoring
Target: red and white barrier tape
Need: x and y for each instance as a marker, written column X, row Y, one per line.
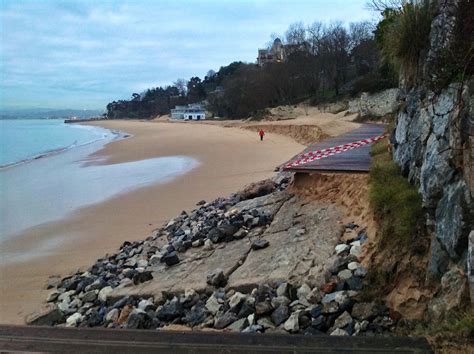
column 311, row 156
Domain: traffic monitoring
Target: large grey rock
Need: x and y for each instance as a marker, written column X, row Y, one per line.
column 454, row 289
column 74, row 320
column 470, row 265
column 48, row 315
column 375, row 105
column 112, row 315
column 451, row 228
column 225, row 320
column 280, row 315
column 213, row 304
column 438, row 260
column 343, row 320
column 104, row 293
column 292, row 323
column 257, row 189
column 238, row 325
column 216, row 277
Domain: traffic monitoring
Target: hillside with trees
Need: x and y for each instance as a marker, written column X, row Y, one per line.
column 334, row 60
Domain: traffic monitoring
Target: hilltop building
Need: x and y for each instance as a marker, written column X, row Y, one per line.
column 279, row 52
column 193, row 111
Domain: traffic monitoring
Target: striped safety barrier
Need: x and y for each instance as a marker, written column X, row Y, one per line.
column 311, row 156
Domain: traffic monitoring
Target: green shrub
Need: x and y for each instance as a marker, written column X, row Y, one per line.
column 395, row 202
column 403, row 35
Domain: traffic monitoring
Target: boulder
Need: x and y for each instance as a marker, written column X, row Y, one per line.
column 280, row 315
column 196, row 315
column 146, row 305
column 292, row 323
column 470, row 265
column 216, row 278
column 90, row 296
column 213, row 304
column 343, row 320
column 112, row 315
column 263, row 307
column 141, row 277
column 341, row 248
column 303, row 291
column 319, row 323
column 356, row 250
column 215, row 235
column 360, row 272
column 225, row 320
column 286, row 289
column 354, row 283
column 52, row 296
column 238, row 325
column 170, row 310
column 170, row 259
column 266, row 323
column 279, row 301
column 259, row 244
column 104, row 293
column 48, row 315
column 353, row 266
column 236, row 300
column 344, row 274
column 137, row 319
column 316, row 311
column 257, row 189
column 124, row 313
column 74, row 320
column 228, row 230
column 155, row 260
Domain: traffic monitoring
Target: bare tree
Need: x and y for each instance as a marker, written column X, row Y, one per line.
column 181, row 85
column 296, row 33
column 360, row 32
column 315, row 35
column 273, row 36
column 382, row 5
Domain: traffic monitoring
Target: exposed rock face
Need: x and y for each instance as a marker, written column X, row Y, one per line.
column 434, row 148
column 378, row 104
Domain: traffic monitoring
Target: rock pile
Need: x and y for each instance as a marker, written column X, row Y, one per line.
column 87, row 299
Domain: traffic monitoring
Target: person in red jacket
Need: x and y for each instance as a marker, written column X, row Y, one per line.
column 261, row 133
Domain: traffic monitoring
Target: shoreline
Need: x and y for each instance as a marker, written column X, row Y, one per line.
column 229, row 159
column 116, row 135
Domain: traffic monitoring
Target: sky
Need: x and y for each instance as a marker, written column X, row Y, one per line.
column 85, row 54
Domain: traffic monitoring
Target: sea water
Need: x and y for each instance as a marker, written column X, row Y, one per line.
column 35, row 191
column 25, row 139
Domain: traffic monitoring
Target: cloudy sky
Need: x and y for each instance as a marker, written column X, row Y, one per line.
column 84, row 54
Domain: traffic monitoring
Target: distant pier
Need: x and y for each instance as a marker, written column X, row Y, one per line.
column 82, row 120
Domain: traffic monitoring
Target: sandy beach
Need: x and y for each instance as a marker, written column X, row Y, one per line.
column 229, row 159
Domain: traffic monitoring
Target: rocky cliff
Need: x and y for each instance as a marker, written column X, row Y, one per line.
column 375, row 105
column 434, row 148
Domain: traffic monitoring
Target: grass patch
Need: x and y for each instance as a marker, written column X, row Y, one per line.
column 459, row 323
column 395, row 202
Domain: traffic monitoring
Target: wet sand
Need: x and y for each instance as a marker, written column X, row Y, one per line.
column 229, row 159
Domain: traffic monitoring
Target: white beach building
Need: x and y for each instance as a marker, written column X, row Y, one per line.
column 190, row 112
